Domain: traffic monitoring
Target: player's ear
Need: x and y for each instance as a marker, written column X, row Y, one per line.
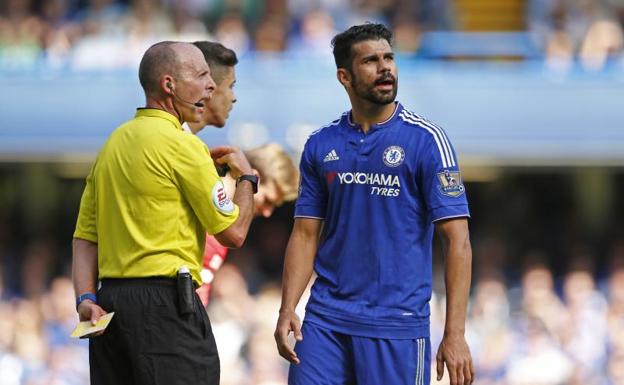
column 343, row 76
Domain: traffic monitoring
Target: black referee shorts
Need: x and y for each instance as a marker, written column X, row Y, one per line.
column 147, row 341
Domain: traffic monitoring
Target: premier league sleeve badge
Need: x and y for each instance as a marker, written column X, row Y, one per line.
column 450, row 183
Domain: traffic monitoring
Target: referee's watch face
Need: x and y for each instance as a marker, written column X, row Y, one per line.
column 374, row 73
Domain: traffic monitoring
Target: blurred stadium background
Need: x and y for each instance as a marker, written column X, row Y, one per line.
column 530, row 91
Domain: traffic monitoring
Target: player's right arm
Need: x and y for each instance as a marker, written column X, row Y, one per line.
column 301, row 250
column 298, row 267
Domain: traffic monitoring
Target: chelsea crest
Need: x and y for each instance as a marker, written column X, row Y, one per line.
column 393, row 156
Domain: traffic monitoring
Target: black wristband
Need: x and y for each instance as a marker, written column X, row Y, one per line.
column 249, row 178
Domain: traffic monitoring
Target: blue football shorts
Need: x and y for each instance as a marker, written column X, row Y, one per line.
column 331, row 358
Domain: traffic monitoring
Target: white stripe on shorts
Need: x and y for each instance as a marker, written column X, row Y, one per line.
column 420, row 369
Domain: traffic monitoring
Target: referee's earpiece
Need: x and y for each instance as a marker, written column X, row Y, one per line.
column 196, row 104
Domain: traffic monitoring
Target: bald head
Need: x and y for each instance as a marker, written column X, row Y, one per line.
column 165, row 58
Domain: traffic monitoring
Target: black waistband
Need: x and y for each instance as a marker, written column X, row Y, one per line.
column 139, row 281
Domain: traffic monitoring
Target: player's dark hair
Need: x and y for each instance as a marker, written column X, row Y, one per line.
column 217, row 55
column 158, row 59
column 344, row 41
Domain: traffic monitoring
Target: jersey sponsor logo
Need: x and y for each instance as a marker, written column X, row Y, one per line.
column 393, row 156
column 450, row 183
column 220, row 199
column 385, row 191
column 330, row 176
column 381, row 184
column 371, row 178
column 331, row 156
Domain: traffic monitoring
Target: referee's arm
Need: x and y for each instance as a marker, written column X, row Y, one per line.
column 85, row 277
column 453, row 350
column 234, row 235
column 85, row 255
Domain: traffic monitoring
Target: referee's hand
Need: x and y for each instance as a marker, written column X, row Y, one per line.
column 90, row 311
column 233, row 157
column 454, row 352
column 288, row 321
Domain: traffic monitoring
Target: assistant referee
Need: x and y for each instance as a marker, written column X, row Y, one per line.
column 151, row 196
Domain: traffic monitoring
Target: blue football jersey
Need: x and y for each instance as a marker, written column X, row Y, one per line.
column 379, row 194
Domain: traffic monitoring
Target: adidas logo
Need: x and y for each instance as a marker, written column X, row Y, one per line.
column 331, row 156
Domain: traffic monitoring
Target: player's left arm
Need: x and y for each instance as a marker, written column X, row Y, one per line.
column 453, row 350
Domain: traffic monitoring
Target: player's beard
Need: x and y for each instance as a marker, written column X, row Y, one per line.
column 372, row 94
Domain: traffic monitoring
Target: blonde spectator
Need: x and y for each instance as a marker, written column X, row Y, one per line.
column 279, row 178
column 604, row 40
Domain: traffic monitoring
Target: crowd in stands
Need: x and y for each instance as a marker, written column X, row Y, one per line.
column 590, row 30
column 539, row 328
column 113, row 34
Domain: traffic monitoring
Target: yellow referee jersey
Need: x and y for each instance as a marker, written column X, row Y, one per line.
column 152, row 194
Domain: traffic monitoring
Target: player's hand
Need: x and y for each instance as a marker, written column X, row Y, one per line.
column 454, row 352
column 90, row 311
column 288, row 321
column 233, row 157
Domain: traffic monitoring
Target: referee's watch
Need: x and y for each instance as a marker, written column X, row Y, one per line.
column 249, row 178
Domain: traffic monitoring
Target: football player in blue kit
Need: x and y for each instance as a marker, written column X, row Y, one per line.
column 375, row 184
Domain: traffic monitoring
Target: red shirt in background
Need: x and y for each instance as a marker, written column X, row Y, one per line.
column 214, row 256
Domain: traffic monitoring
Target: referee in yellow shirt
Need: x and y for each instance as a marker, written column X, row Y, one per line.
column 152, row 194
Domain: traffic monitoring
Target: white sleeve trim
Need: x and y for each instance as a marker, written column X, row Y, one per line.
column 452, row 216
column 307, row 216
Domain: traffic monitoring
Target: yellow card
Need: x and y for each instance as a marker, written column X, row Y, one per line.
column 85, row 328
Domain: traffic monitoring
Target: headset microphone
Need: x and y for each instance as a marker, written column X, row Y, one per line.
column 196, row 104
